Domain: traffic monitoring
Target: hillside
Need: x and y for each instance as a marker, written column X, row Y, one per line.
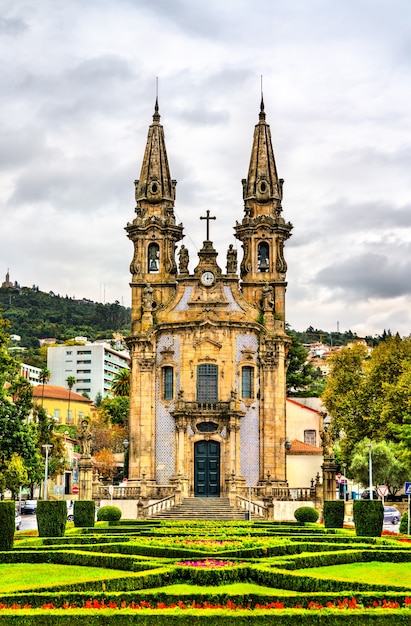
column 34, row 315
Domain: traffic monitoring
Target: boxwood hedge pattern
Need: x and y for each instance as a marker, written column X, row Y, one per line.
column 149, row 557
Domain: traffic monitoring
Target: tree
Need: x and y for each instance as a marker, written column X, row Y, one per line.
column 120, row 384
column 302, row 379
column 105, row 463
column 15, row 475
column 44, row 377
column 387, row 467
column 71, row 381
column 115, row 410
column 368, row 396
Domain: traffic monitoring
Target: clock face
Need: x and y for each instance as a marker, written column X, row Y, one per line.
column 207, row 278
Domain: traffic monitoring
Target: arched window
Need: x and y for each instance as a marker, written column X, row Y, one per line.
column 263, row 257
column 168, row 382
column 247, row 382
column 153, row 257
column 207, row 383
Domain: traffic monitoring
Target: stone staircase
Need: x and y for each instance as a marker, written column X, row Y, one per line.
column 218, row 509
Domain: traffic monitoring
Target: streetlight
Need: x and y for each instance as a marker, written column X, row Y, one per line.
column 370, row 445
column 48, row 447
column 345, row 480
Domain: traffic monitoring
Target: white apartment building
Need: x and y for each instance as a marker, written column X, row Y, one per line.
column 31, row 373
column 93, row 365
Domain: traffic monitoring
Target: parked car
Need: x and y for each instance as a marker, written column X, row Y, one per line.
column 29, row 507
column 18, row 520
column 391, row 515
column 366, row 494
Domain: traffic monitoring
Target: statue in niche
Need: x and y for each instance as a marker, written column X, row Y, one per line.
column 84, row 438
column 231, row 260
column 147, row 298
column 183, row 260
column 268, row 297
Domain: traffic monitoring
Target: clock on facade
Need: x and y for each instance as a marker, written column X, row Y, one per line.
column 207, row 278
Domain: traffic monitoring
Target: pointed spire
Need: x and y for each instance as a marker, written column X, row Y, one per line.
column 155, row 184
column 262, row 183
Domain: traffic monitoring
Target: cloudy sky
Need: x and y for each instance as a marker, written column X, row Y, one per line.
column 77, row 92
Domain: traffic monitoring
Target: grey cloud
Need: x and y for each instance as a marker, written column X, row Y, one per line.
column 368, row 275
column 12, row 26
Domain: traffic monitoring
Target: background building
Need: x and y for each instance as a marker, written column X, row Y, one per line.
column 93, row 365
column 63, row 405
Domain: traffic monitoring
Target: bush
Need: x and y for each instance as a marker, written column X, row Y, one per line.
column 306, row 514
column 108, row 514
column 51, row 518
column 7, row 524
column 368, row 518
column 334, row 513
column 404, row 524
column 84, row 513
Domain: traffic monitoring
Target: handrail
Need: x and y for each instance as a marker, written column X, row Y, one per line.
column 253, row 507
column 161, row 505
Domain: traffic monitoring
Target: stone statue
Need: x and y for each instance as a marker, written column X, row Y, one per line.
column 183, row 260
column 147, row 298
column 84, row 438
column 268, row 297
column 231, row 260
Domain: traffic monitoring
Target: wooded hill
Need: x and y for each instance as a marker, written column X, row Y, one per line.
column 36, row 315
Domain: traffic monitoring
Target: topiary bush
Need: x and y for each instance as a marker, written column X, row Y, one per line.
column 306, row 514
column 368, row 518
column 84, row 513
column 333, row 513
column 51, row 518
column 108, row 514
column 404, row 524
column 7, row 524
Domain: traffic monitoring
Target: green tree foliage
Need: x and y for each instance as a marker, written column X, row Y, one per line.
column 368, row 396
column 120, row 384
column 45, row 434
column 387, row 467
column 15, row 475
column 115, row 410
column 303, row 380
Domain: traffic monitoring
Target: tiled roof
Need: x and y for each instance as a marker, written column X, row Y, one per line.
column 301, row 405
column 58, row 393
column 299, row 447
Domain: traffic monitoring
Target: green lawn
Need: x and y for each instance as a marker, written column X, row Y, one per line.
column 233, row 589
column 23, row 576
column 374, row 572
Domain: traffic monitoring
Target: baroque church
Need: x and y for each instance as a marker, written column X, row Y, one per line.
column 208, row 348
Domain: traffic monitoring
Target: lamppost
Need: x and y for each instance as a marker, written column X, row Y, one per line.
column 48, row 447
column 370, row 445
column 126, row 444
column 345, row 480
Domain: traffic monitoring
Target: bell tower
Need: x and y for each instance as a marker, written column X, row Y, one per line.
column 153, row 231
column 263, row 230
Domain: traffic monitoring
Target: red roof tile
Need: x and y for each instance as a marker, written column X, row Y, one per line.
column 299, row 447
column 58, row 393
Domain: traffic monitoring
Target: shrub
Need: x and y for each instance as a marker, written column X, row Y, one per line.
column 368, row 518
column 334, row 513
column 404, row 524
column 306, row 514
column 51, row 518
column 84, row 513
column 108, row 514
column 7, row 524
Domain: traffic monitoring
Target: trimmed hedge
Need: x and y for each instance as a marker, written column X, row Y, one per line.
column 109, row 514
column 84, row 513
column 306, row 514
column 333, row 513
column 368, row 518
column 51, row 518
column 7, row 524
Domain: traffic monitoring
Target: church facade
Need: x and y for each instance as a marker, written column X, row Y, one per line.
column 208, row 348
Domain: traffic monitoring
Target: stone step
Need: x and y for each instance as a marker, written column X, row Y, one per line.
column 203, row 509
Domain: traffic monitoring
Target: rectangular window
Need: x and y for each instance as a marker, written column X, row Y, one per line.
column 247, row 382
column 57, row 414
column 168, row 382
column 310, row 436
column 207, row 383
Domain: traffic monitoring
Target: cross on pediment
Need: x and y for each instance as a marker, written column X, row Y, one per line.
column 208, row 218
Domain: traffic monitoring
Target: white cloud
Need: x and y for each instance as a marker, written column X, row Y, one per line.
column 77, row 89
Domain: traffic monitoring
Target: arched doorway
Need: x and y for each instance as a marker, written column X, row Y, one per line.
column 207, row 469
